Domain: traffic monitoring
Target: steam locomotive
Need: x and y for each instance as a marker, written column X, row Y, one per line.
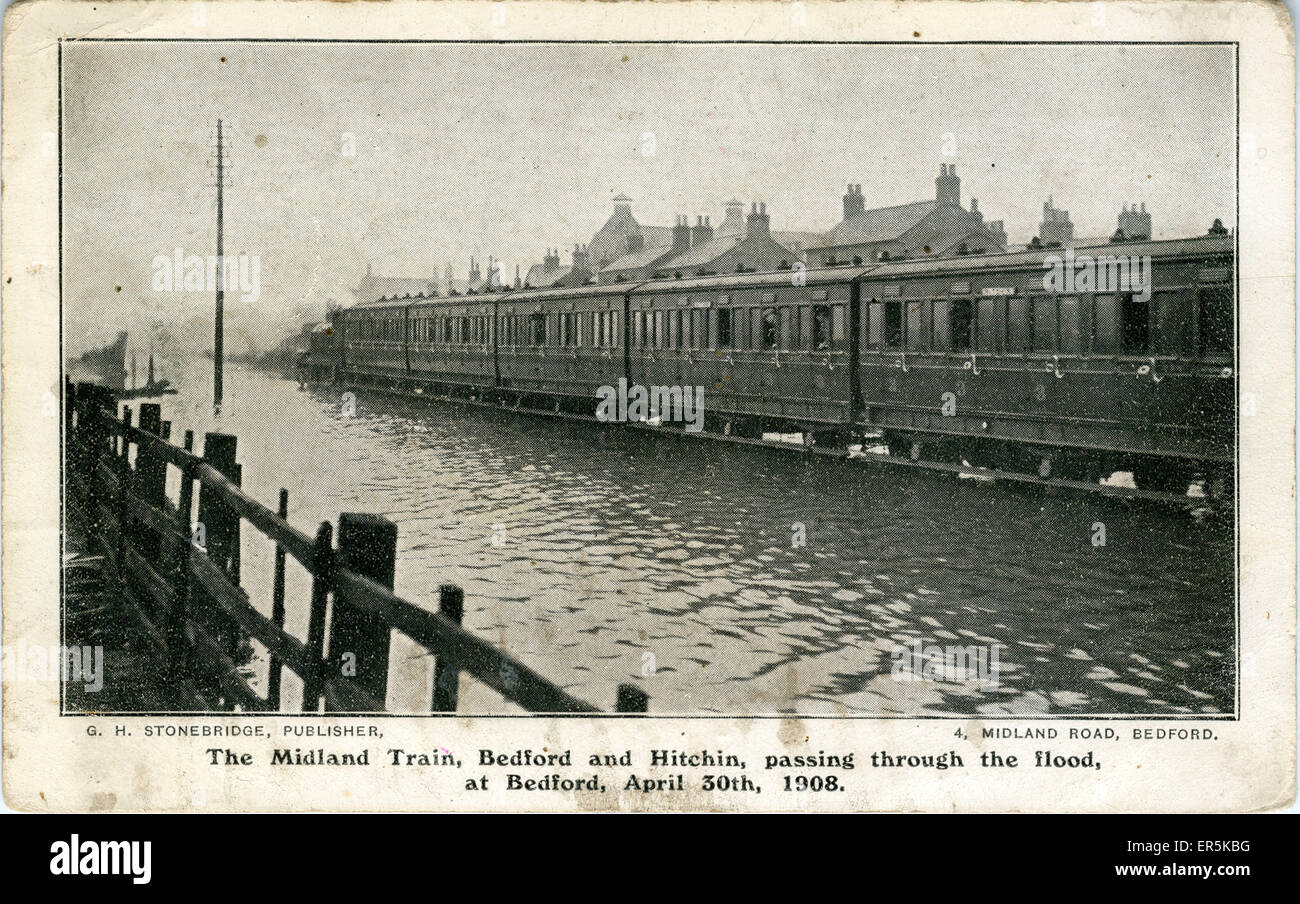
column 1069, row 364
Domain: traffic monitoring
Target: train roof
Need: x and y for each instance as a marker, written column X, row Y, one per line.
column 406, row 301
column 569, row 292
column 1155, row 248
column 807, row 277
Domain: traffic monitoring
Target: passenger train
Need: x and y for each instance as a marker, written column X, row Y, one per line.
column 977, row 359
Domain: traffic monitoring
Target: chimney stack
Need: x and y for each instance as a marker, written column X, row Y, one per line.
column 757, row 222
column 682, row 234
column 947, row 188
column 579, row 259
column 702, row 233
column 854, row 203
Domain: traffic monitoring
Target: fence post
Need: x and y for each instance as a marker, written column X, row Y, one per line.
column 123, row 495
column 277, row 609
column 85, row 455
column 368, row 547
column 322, row 569
column 177, row 642
column 220, row 526
column 631, row 699
column 446, row 675
column 236, row 547
column 152, row 478
column 185, row 502
column 151, row 473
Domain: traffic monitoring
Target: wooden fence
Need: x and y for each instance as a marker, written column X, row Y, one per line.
column 180, row 578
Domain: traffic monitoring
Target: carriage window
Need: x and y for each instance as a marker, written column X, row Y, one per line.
column 821, row 327
column 657, row 329
column 464, row 329
column 638, row 329
column 1017, row 325
column 1173, row 324
column 768, row 325
column 788, row 338
column 537, row 323
column 893, row 324
column 1105, row 325
column 986, row 335
column 1215, row 318
column 915, row 325
column 699, row 328
column 838, row 327
column 724, row 327
column 875, row 322
column 959, row 323
column 806, row 328
column 1071, row 340
column 1044, row 316
column 1136, row 316
column 940, row 339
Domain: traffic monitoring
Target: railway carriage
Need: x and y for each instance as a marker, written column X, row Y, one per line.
column 451, row 340
column 1037, row 361
column 562, row 343
column 768, row 348
column 997, row 360
column 374, row 337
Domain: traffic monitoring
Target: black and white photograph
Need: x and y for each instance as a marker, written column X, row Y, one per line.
column 709, row 380
column 554, row 406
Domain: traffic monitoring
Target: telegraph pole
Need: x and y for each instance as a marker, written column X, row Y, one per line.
column 218, row 337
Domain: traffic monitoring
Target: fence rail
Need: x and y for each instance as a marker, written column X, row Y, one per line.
column 180, row 578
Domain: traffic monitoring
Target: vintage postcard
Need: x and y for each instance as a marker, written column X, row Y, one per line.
column 546, row 406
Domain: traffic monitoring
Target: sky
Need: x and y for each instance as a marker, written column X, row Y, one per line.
column 510, row 149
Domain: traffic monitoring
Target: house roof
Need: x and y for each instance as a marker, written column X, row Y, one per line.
column 539, row 277
column 637, row 259
column 703, row 253
column 803, row 239
column 880, row 224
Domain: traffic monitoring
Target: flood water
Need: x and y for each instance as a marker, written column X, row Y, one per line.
column 599, row 556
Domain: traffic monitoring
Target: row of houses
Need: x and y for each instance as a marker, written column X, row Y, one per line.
column 626, row 250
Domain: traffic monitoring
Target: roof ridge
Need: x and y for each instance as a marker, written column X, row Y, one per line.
column 895, row 207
